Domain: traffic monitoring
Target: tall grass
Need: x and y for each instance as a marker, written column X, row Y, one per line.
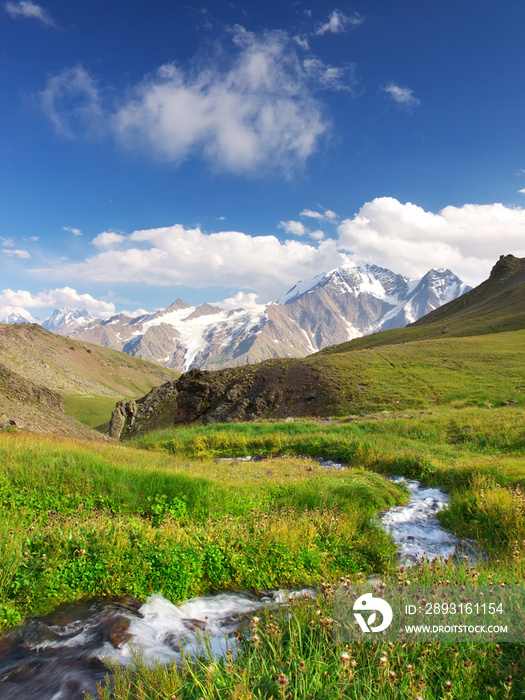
column 293, row 653
column 83, row 520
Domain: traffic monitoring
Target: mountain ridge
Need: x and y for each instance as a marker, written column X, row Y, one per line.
column 347, row 302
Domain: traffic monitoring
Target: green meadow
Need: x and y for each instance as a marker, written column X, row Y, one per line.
column 168, row 512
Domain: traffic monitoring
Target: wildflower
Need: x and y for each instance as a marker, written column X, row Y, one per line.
column 345, row 658
column 448, row 685
column 281, row 679
column 383, row 661
column 392, row 675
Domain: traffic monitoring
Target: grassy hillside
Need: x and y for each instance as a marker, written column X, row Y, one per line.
column 477, row 370
column 89, row 378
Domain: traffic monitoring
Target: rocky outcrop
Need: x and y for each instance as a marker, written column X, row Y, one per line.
column 123, row 414
column 25, row 391
column 158, row 409
column 271, row 389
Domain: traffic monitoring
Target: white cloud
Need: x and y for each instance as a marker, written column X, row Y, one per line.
column 302, row 42
column 407, row 239
column 242, row 300
column 295, row 228
column 178, row 256
column 56, row 298
column 8, row 242
column 16, row 253
column 106, row 239
column 256, row 113
column 72, row 102
column 250, row 107
column 338, row 22
column 28, row 10
column 402, row 96
column 312, row 214
column 327, row 215
column 522, row 191
column 71, row 229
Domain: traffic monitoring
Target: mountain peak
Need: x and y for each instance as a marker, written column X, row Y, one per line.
column 203, row 310
column 64, row 317
column 333, row 307
column 177, row 305
column 16, row 314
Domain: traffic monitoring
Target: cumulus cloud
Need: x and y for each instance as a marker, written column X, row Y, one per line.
column 338, row 23
column 28, row 10
column 295, row 228
column 107, row 239
column 256, row 112
column 406, row 238
column 56, row 298
column 178, row 256
column 242, row 300
column 522, row 191
column 16, row 253
column 402, row 96
column 327, row 215
column 249, row 107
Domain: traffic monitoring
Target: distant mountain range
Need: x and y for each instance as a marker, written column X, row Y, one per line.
column 348, row 302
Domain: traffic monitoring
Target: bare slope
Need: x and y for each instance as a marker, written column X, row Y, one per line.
column 28, row 406
column 37, row 364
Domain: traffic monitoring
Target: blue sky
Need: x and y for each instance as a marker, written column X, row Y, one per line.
column 213, row 151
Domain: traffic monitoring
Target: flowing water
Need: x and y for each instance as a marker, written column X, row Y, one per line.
column 418, row 533
column 59, row 656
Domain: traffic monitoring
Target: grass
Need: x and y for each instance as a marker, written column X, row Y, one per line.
column 294, row 654
column 424, row 373
column 89, row 410
column 84, row 520
column 167, row 513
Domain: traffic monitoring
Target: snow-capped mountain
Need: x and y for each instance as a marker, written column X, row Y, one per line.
column 345, row 303
column 67, row 320
column 16, row 314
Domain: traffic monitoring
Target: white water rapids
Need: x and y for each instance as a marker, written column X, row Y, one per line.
column 61, row 655
column 417, row 532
